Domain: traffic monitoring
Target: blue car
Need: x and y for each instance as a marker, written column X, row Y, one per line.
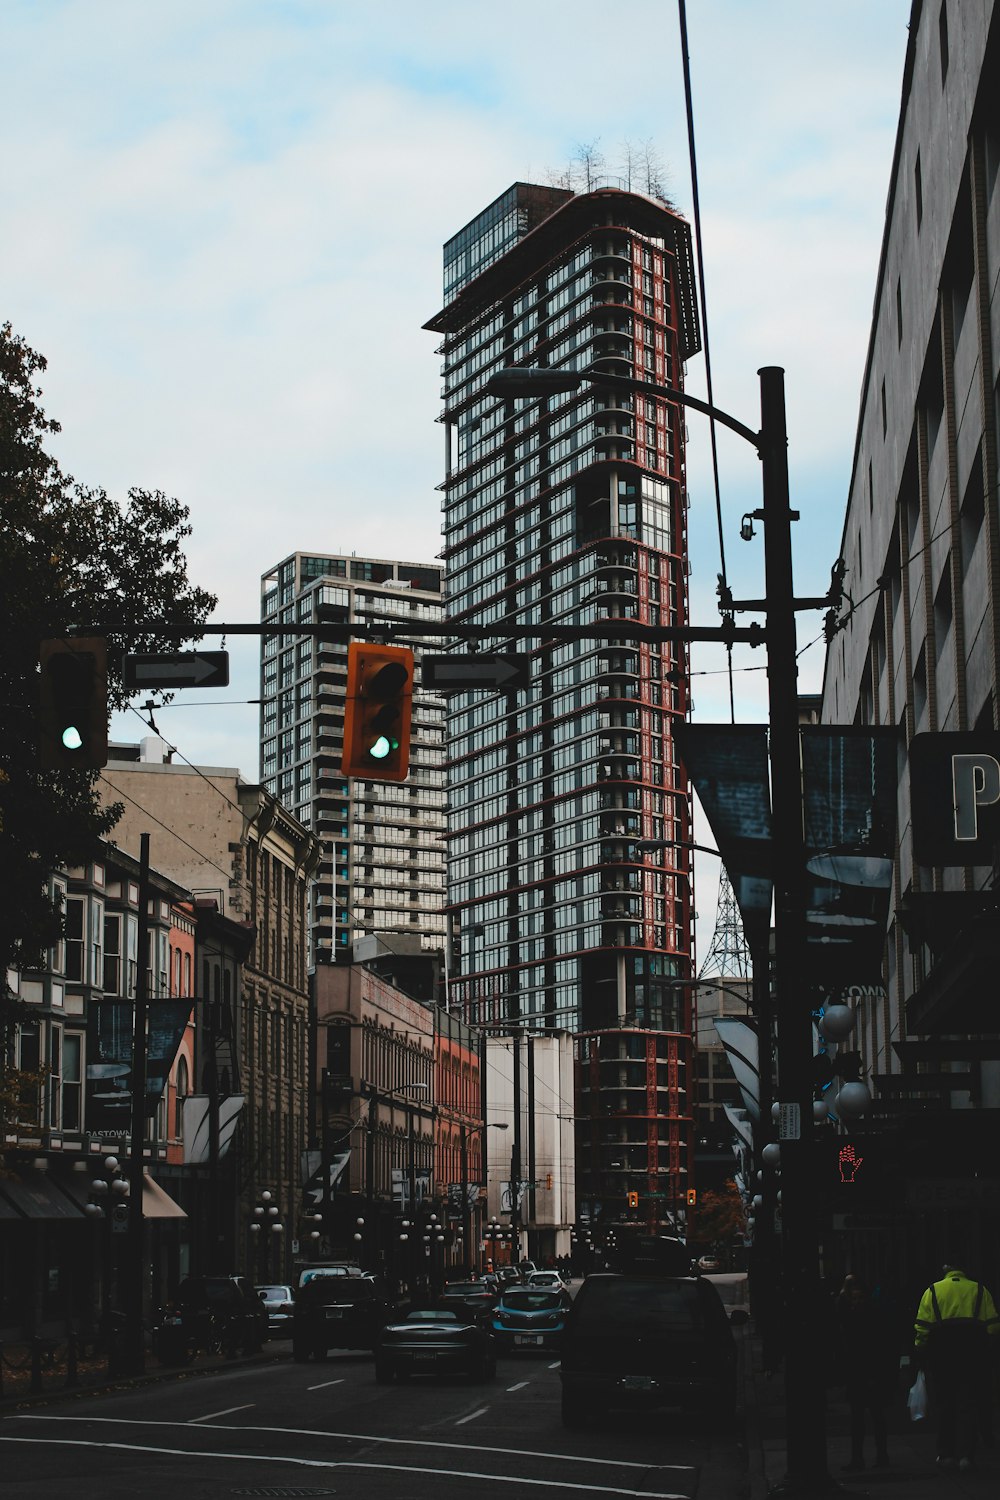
column 528, row 1317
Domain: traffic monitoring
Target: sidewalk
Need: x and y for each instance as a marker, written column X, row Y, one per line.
column 911, row 1472
column 92, row 1376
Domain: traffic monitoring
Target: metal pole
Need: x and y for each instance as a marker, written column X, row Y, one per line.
column 515, row 1154
column 215, row 1262
column 369, row 1244
column 804, row 1382
column 466, row 1209
column 135, row 1359
column 412, row 1190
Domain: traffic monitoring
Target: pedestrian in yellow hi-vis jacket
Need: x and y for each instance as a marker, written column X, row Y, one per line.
column 955, row 1337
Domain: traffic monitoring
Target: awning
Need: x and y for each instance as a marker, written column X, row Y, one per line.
column 158, row 1204
column 35, row 1196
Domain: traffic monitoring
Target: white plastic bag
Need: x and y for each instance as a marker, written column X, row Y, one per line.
column 916, row 1401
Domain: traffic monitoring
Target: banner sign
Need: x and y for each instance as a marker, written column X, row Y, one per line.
column 110, row 1025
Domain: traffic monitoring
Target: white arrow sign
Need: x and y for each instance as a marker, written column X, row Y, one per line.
column 180, row 669
column 453, row 673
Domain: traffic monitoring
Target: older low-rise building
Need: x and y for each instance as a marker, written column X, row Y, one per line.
column 231, row 842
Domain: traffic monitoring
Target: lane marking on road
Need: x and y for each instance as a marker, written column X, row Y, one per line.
column 520, row 1385
column 363, row 1437
column 325, row 1384
column 472, row 1416
column 348, row 1463
column 212, row 1414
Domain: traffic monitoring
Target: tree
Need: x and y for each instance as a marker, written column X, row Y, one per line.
column 718, row 1218
column 70, row 556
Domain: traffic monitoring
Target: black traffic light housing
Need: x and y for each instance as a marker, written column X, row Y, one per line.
column 377, row 712
column 73, row 703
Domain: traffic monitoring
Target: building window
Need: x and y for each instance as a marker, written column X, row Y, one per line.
column 75, row 936
column 72, row 1081
column 899, row 312
column 918, row 189
column 180, row 1094
column 943, row 39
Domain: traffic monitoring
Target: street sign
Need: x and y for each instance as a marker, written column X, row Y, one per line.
column 456, row 674
column 177, row 669
column 955, row 797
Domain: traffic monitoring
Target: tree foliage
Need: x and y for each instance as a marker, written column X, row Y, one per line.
column 70, row 557
column 718, row 1218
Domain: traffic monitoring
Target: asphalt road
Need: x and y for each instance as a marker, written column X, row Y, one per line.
column 326, row 1428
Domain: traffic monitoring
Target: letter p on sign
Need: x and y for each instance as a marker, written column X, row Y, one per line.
column 975, row 783
column 955, row 797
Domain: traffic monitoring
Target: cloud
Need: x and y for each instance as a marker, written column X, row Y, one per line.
column 224, row 229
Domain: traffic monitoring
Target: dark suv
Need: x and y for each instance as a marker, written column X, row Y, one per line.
column 338, row 1312
column 642, row 1340
column 212, row 1313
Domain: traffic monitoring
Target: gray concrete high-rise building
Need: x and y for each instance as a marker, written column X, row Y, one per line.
column 382, row 866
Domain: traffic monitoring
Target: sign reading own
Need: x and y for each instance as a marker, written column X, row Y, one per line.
column 955, row 797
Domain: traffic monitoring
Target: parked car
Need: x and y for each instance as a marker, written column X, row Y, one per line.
column 279, row 1303
column 212, row 1313
column 470, row 1298
column 641, row 1341
column 709, row 1263
column 435, row 1341
column 338, row 1312
column 530, row 1317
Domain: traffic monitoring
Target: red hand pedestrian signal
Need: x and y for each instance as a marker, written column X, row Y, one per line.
column 848, row 1161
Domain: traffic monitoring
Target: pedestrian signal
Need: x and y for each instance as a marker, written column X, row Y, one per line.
column 377, row 712
column 73, row 703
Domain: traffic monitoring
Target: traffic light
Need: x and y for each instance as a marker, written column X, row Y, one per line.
column 633, row 1199
column 692, row 1197
column 377, row 712
column 73, row 703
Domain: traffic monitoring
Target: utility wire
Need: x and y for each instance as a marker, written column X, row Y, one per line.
column 685, row 59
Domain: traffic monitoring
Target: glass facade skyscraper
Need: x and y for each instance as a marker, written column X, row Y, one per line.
column 571, row 509
column 382, row 868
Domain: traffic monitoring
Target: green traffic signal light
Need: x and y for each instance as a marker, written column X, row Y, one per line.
column 73, row 703
column 377, row 711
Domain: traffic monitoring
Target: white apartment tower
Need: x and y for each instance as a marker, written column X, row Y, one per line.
column 383, row 865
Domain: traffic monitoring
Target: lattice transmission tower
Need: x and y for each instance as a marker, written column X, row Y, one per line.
column 729, row 953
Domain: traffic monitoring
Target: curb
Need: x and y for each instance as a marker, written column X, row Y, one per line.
column 112, row 1385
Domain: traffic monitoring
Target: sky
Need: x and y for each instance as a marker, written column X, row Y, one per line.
column 222, row 224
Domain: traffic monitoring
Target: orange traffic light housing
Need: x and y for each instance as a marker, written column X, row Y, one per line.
column 377, row 712
column 633, row 1199
column 692, row 1197
column 73, row 703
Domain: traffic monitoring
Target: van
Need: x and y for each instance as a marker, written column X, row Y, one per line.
column 641, row 1341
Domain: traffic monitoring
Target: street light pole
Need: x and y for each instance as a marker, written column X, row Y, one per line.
column 805, row 1393
column 805, row 1390
column 135, row 1358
